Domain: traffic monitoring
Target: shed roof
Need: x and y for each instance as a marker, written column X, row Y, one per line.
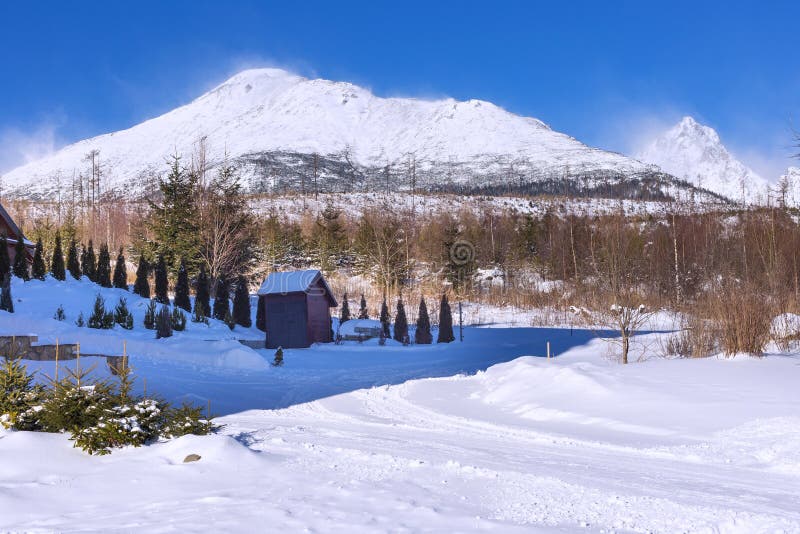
column 283, row 283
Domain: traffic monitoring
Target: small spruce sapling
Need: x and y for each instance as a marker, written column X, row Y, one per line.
column 445, row 322
column 73, row 265
column 178, row 319
column 241, row 304
column 89, row 264
column 104, row 267
column 100, row 318
column 422, row 335
column 121, row 272
column 182, row 289
column 150, row 315
column 344, row 316
column 123, row 316
column 6, row 302
column 142, row 286
column 21, row 260
column 59, row 315
column 221, row 299
column 278, row 361
column 363, row 313
column 202, row 292
column 385, row 320
column 38, row 268
column 79, row 322
column 57, row 264
column 163, row 323
column 161, row 282
column 400, row 323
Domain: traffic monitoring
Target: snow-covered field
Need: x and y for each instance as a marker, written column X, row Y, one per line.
column 483, row 438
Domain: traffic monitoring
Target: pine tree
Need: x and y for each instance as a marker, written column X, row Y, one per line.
column 57, row 265
column 278, row 360
column 362, row 312
column 150, row 315
column 73, row 265
column 221, row 298
column 163, row 323
column 261, row 319
column 344, row 316
column 89, row 264
column 121, row 272
column 182, row 289
column 5, row 261
column 161, row 283
column 400, row 323
column 123, row 316
column 104, row 267
column 38, row 269
column 142, row 286
column 241, row 304
column 385, row 320
column 201, row 295
column 6, row 302
column 445, row 322
column 177, row 319
column 100, row 318
column 422, row 336
column 21, row 260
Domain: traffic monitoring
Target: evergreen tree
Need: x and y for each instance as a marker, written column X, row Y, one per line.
column 362, row 312
column 174, row 222
column 100, row 318
column 142, row 286
column 445, row 322
column 345, row 313
column 123, row 316
column 161, row 283
column 6, row 302
column 73, row 265
column 163, row 323
column 400, row 323
column 229, row 320
column 177, row 319
column 385, row 320
column 21, row 260
column 241, row 304
column 38, row 269
column 199, row 315
column 201, row 295
column 182, row 290
column 5, row 261
column 121, row 272
column 150, row 315
column 57, row 265
column 89, row 264
column 261, row 319
column 422, row 336
column 104, row 267
column 278, row 360
column 221, row 299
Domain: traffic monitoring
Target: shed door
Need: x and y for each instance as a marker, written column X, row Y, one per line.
column 286, row 324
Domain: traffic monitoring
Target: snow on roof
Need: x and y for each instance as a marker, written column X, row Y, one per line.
column 294, row 282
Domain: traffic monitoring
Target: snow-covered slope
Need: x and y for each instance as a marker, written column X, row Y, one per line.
column 273, row 122
column 695, row 153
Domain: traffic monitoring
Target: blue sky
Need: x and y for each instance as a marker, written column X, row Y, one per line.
column 608, row 73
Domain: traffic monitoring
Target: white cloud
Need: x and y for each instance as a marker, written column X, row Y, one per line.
column 18, row 146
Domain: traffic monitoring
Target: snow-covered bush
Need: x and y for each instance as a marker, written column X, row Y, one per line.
column 150, row 316
column 99, row 416
column 178, row 319
column 163, row 323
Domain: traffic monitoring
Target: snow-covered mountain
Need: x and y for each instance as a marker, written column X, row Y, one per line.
column 284, row 130
column 695, row 153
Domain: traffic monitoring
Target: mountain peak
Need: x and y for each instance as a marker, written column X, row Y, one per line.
column 694, row 152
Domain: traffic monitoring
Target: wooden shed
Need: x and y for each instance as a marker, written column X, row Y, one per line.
column 297, row 309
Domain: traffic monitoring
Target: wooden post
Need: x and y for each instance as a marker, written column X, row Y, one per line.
column 460, row 323
column 56, row 360
column 548, row 350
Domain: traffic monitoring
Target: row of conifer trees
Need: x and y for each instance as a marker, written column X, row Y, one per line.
column 97, row 267
column 422, row 334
